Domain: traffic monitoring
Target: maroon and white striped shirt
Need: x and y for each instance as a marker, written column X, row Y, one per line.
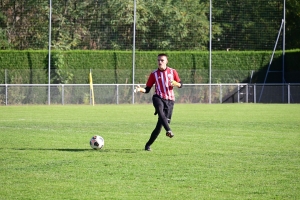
column 162, row 81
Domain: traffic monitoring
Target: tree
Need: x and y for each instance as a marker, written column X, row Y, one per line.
column 247, row 24
column 161, row 24
column 25, row 23
column 292, row 24
column 175, row 25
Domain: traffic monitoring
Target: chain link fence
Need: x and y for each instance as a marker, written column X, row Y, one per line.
column 63, row 94
column 101, row 76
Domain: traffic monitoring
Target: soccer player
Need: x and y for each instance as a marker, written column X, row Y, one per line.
column 165, row 79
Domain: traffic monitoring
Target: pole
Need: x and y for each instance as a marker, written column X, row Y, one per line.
column 5, row 76
column 283, row 51
column 210, row 41
column 49, row 51
column 268, row 70
column 133, row 50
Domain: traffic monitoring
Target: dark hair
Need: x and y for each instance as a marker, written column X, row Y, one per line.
column 162, row 54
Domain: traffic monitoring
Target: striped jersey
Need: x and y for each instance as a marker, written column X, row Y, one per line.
column 162, row 81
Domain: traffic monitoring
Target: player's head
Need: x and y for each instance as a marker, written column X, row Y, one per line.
column 162, row 61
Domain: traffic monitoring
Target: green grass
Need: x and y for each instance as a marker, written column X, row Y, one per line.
column 220, row 151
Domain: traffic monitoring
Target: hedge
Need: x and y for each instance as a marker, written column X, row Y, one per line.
column 109, row 67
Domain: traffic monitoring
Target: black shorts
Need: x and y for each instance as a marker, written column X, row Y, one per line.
column 164, row 106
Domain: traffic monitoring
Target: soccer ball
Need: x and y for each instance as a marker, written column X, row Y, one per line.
column 97, row 142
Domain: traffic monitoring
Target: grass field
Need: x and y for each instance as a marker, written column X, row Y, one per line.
column 220, row 151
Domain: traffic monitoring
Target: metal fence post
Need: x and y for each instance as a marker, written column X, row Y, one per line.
column 289, row 94
column 117, row 94
column 254, row 93
column 247, row 92
column 238, row 93
column 6, row 94
column 63, row 94
column 220, row 93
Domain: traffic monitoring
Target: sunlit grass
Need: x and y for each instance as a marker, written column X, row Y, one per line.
column 227, row 151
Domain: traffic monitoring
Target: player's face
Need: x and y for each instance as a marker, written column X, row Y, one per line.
column 162, row 62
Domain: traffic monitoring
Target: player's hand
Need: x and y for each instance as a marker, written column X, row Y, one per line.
column 175, row 83
column 138, row 88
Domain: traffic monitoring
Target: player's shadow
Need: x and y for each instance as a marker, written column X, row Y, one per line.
column 121, row 150
column 51, row 149
column 80, row 150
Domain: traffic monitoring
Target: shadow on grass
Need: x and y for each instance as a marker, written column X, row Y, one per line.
column 80, row 150
column 121, row 150
column 51, row 149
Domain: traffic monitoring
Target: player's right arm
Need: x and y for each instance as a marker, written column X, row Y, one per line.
column 138, row 88
column 149, row 84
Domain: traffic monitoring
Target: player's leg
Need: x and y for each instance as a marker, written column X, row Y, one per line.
column 160, row 109
column 169, row 105
column 153, row 136
column 162, row 120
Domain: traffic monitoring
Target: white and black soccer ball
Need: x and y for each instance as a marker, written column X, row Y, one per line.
column 97, row 142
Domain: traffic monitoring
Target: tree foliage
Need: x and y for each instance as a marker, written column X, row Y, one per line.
column 160, row 24
column 20, row 19
column 293, row 25
column 248, row 24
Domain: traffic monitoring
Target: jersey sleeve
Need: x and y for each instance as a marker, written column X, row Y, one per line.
column 151, row 81
column 176, row 76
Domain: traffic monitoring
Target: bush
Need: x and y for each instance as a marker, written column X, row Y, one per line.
column 116, row 67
